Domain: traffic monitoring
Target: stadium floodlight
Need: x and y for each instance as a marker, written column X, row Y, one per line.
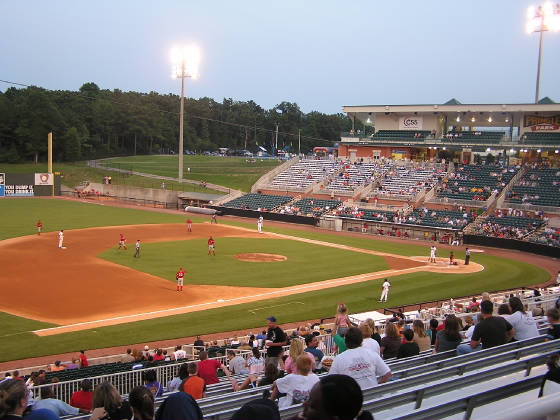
column 185, row 63
column 545, row 17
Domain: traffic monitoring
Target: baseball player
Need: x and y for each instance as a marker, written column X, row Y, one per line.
column 179, row 276
column 211, row 249
column 259, row 224
column 214, row 219
column 137, row 253
column 385, row 291
column 189, row 225
column 60, row 238
column 39, row 226
column 122, row 241
column 433, row 251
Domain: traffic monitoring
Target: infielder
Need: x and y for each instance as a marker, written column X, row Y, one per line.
column 179, row 276
column 39, row 226
column 213, row 219
column 137, row 253
column 385, row 291
column 433, row 251
column 189, row 225
column 60, row 238
column 122, row 242
column 259, row 224
column 211, row 249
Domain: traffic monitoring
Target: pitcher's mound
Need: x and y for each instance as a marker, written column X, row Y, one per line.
column 260, row 257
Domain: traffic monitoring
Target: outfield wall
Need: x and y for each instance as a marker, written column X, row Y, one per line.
column 524, row 246
column 254, row 214
column 29, row 185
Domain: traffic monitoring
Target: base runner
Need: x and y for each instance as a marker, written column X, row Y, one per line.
column 179, row 276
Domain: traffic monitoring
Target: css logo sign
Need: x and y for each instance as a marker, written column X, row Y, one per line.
column 410, row 122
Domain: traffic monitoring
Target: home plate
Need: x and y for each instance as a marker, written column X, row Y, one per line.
column 220, row 300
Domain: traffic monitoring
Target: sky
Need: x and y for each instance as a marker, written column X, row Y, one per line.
column 321, row 54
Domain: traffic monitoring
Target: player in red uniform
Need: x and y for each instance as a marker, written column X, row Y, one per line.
column 39, row 226
column 189, row 225
column 122, row 242
column 211, row 249
column 179, row 276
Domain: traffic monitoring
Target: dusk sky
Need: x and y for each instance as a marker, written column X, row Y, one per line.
column 321, row 54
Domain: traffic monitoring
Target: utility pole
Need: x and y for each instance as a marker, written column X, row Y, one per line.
column 276, row 142
column 299, row 141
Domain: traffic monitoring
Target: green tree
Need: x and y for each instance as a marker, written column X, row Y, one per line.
column 72, row 145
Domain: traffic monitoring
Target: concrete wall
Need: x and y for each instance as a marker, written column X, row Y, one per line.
column 125, row 191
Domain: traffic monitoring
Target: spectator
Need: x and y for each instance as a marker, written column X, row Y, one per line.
column 83, row 359
column 296, row 386
column 175, row 383
column 504, row 311
column 60, row 408
column 339, row 344
column 524, row 324
column 421, row 336
column 473, row 306
column 449, row 338
column 179, row 406
column 158, row 356
column 257, row 410
column 360, row 363
column 391, row 342
column 128, row 357
column 83, row 397
column 312, row 342
column 207, row 369
column 198, row 342
column 341, row 321
column 275, row 340
column 409, row 347
column 13, row 399
column 150, row 382
column 194, row 385
column 236, row 363
column 491, row 331
column 296, row 350
column 179, row 353
column 107, row 403
column 142, row 403
column 368, row 342
column 146, row 352
column 553, row 317
column 335, row 397
column 57, row 367
column 255, row 362
column 432, row 332
column 553, row 373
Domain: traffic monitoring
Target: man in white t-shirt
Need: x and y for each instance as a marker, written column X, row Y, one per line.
column 360, row 363
column 297, row 386
column 385, row 290
column 179, row 353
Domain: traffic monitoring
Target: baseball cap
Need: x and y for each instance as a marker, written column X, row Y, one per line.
column 271, row 319
column 146, row 348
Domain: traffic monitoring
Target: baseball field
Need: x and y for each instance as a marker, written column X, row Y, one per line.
column 93, row 295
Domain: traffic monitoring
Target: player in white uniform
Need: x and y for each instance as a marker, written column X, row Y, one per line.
column 385, row 291
column 60, row 238
column 259, row 224
column 433, row 251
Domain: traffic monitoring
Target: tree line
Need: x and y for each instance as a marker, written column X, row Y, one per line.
column 93, row 123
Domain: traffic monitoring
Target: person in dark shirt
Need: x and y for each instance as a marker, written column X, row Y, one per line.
column 553, row 316
column 312, row 342
column 491, row 331
column 553, row 373
column 409, row 347
column 275, row 339
column 198, row 342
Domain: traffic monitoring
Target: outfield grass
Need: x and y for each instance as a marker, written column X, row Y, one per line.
column 20, row 216
column 232, row 172
column 74, row 173
column 17, row 342
column 162, row 260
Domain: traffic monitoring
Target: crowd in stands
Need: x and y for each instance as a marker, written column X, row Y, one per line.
column 539, row 186
column 310, row 207
column 409, row 180
column 368, row 214
column 440, row 218
column 548, row 236
column 304, row 173
column 476, row 182
column 510, row 224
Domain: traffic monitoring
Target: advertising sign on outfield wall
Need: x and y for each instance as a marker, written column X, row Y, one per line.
column 2, row 179
column 412, row 122
column 43, row 179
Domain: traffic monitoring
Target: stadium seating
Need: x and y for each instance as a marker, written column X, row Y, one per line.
column 412, row 135
column 304, row 173
column 311, row 207
column 439, row 218
column 253, row 201
column 476, row 182
column 407, row 181
column 353, row 176
column 540, row 187
column 539, row 137
column 366, row 214
column 548, row 236
column 474, row 137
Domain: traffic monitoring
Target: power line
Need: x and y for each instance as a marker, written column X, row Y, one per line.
column 245, row 126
